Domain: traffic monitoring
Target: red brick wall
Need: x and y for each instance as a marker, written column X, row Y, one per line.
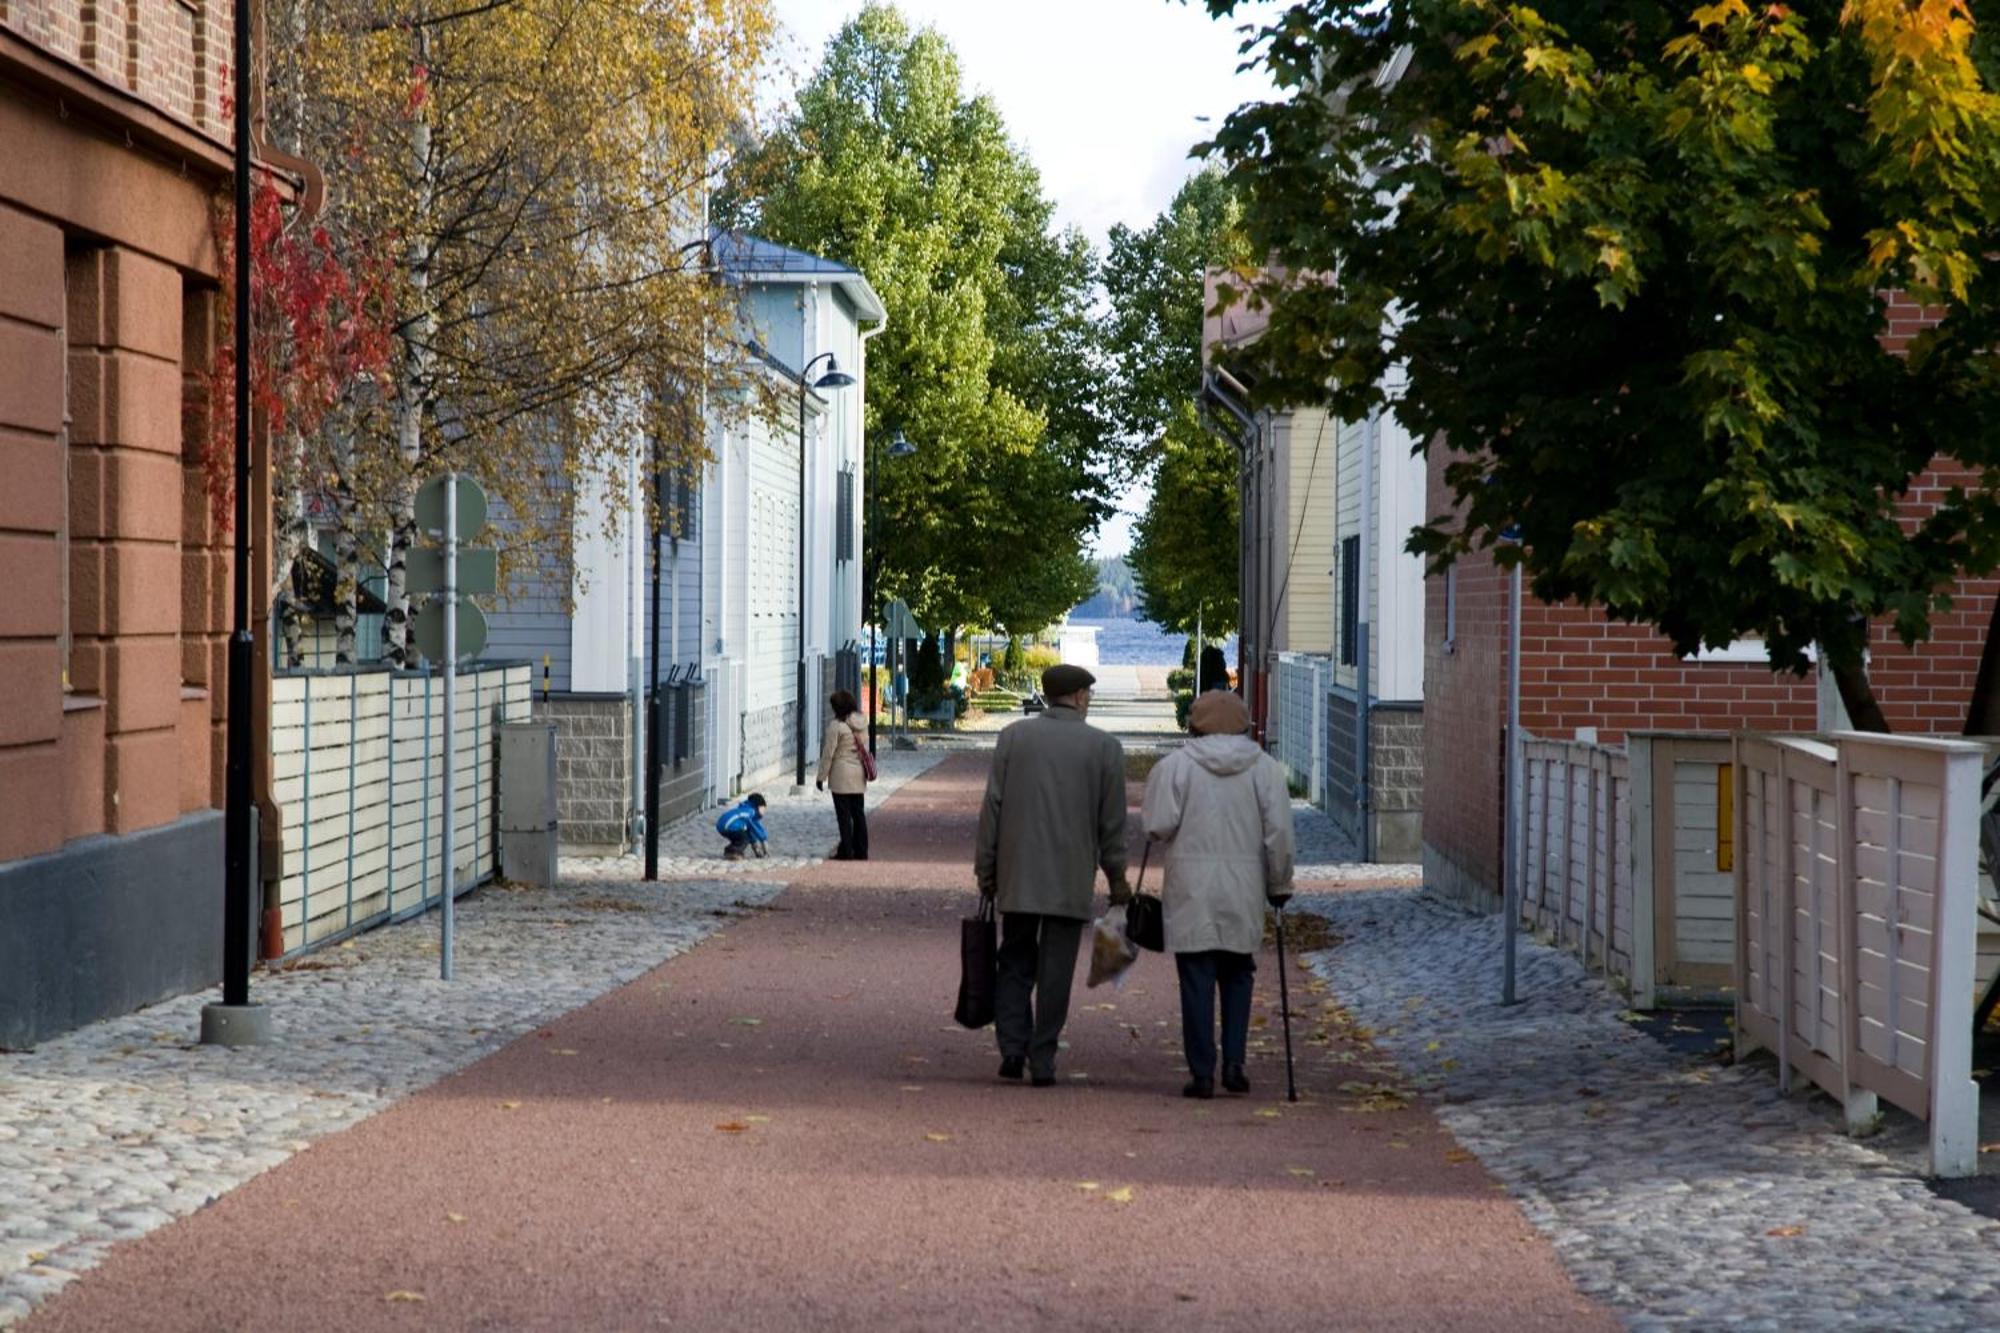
column 1464, row 716
column 171, row 54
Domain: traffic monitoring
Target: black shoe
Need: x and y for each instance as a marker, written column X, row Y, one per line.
column 1013, row 1066
column 1043, row 1078
column 1233, row 1079
column 1199, row 1088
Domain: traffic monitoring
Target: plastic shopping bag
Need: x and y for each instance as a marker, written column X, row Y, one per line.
column 1111, row 949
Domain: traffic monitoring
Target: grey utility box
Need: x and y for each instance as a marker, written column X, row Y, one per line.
column 528, row 802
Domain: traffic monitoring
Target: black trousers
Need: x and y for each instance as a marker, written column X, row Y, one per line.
column 1200, row 975
column 1031, row 999
column 851, row 813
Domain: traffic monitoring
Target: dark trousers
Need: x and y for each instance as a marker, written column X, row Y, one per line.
column 851, row 813
column 1038, row 956
column 1200, row 974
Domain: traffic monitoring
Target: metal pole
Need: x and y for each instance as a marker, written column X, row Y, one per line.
column 653, row 692
column 1364, row 582
column 450, row 707
column 1511, row 873
column 869, row 536
column 235, row 1021
column 799, row 715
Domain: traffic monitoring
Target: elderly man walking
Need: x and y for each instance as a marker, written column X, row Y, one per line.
column 1054, row 813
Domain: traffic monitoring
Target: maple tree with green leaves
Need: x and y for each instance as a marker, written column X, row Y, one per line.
column 1634, row 257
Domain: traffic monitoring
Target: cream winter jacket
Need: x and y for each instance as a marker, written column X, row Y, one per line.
column 1220, row 805
column 840, row 756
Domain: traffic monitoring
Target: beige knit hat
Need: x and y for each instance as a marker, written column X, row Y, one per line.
column 1219, row 713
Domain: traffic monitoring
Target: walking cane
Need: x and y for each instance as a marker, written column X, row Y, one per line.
column 1285, row 1008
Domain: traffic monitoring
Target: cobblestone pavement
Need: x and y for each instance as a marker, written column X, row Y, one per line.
column 1684, row 1193
column 117, row 1129
column 1327, row 855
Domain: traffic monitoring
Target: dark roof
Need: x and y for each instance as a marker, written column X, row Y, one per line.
column 742, row 254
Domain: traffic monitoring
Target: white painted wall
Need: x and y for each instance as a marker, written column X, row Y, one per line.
column 601, row 632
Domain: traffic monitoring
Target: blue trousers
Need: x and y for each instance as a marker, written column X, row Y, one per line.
column 1201, row 974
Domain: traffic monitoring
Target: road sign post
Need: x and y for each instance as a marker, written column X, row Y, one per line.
column 454, row 508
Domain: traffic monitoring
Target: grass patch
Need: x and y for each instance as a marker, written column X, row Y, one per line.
column 1139, row 764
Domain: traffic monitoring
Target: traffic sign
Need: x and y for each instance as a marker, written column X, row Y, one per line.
column 430, row 630
column 471, row 506
column 478, row 571
column 898, row 623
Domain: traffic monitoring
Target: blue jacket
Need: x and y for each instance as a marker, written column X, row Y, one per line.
column 742, row 818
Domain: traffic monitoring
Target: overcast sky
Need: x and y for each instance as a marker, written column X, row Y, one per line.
column 1103, row 95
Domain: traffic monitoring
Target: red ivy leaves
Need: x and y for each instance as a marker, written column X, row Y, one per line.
column 319, row 322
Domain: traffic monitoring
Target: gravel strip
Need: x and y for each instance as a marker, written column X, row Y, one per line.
column 117, row 1129
column 1681, row 1192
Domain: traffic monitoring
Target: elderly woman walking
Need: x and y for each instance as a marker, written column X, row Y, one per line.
column 840, row 765
column 1221, row 806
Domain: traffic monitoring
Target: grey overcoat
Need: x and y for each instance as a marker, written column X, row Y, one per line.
column 1054, row 813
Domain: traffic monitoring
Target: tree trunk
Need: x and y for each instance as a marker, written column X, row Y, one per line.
column 347, row 573
column 1982, row 711
column 1850, row 676
column 412, row 393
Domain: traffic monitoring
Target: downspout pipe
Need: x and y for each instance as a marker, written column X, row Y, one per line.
column 1364, row 577
column 1221, row 389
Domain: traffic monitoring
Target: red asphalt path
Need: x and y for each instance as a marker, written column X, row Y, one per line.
column 781, row 1129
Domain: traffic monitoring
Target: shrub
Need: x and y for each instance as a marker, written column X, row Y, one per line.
column 1014, row 659
column 1041, row 657
column 1183, row 700
column 1181, row 678
column 927, row 674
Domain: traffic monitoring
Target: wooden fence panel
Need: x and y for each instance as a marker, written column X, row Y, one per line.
column 1857, row 894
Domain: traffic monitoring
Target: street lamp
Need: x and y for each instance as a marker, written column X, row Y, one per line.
column 899, row 447
column 834, row 378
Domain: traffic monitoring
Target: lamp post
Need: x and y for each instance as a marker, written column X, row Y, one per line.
column 835, row 378
column 899, row 447
column 235, row 1021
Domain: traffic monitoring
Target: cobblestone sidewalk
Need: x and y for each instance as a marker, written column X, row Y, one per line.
column 1685, row 1194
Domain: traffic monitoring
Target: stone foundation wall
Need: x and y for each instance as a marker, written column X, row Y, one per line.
column 767, row 747
column 593, row 767
column 1396, row 780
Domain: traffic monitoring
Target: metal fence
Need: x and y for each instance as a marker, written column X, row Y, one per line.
column 1856, row 919
column 1301, row 684
column 357, row 769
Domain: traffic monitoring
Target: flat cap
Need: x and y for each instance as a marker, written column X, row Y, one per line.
column 1058, row 681
column 1218, row 713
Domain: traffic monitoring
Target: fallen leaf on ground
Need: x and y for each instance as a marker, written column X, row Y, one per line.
column 1123, row 1194
column 1298, row 1171
column 1457, row 1155
column 733, row 1127
column 756, row 1120
column 910, row 1087
column 1785, row 1233
column 562, row 1050
column 1269, row 1112
column 1433, row 1046
column 1989, row 1147
column 748, row 1022
column 510, row 1106
column 405, row 1297
column 938, row 1138
column 454, row 1217
column 1086, row 1185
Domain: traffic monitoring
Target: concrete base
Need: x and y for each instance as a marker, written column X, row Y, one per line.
column 235, row 1025
column 108, row 925
column 528, row 857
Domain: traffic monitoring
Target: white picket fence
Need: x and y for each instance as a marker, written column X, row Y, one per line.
column 357, row 768
column 1576, row 887
column 1856, row 923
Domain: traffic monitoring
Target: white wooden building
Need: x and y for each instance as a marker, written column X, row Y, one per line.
column 795, row 308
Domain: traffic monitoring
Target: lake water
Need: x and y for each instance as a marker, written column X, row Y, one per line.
column 1141, row 643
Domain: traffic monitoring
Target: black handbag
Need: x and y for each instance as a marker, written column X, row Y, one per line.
column 1145, row 915
column 979, row 966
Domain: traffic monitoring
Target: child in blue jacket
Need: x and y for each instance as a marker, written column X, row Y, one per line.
column 743, row 825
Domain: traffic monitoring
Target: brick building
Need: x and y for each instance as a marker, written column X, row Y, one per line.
column 1584, row 677
column 113, row 147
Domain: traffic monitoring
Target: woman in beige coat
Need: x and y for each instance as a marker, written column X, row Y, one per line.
column 840, row 765
column 1221, row 806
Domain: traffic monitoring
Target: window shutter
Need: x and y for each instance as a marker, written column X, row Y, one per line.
column 1350, row 597
column 844, row 520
